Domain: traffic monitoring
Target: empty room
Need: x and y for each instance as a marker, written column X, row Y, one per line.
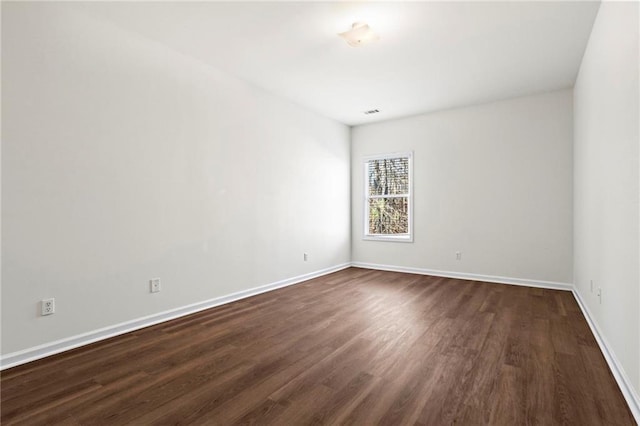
column 291, row 213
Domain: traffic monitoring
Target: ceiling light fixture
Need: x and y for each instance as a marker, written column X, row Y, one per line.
column 359, row 34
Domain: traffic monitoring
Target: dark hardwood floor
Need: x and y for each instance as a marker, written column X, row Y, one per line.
column 354, row 347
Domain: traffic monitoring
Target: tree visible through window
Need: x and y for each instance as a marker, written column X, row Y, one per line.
column 388, row 197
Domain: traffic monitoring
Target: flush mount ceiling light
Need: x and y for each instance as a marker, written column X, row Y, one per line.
column 359, row 34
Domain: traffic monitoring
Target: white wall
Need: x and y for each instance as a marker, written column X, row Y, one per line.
column 123, row 160
column 492, row 181
column 606, row 181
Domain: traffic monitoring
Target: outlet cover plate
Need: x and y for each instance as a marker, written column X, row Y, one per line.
column 48, row 306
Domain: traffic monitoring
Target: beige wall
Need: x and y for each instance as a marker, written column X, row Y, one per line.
column 123, row 160
column 607, row 184
column 492, row 181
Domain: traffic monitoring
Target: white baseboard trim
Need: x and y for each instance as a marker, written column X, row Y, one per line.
column 31, row 354
column 633, row 401
column 467, row 276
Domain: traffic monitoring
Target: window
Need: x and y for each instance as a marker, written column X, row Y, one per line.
column 387, row 204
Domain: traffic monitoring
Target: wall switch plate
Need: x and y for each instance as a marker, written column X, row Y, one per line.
column 154, row 285
column 600, row 294
column 305, row 257
column 591, row 286
column 48, row 306
column 458, row 255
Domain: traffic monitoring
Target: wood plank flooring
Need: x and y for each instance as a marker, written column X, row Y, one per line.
column 354, row 347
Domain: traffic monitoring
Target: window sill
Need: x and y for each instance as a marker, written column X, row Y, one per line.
column 394, row 238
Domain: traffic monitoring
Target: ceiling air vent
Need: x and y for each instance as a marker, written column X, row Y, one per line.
column 371, row 111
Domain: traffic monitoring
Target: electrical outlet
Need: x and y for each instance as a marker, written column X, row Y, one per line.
column 305, row 257
column 458, row 255
column 154, row 285
column 48, row 306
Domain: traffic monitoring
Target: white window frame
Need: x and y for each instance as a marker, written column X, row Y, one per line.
column 405, row 238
